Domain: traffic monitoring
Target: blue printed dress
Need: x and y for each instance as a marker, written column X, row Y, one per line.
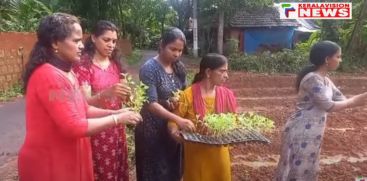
column 158, row 156
column 304, row 130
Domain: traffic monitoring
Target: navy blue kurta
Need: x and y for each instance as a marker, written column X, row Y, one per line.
column 158, row 156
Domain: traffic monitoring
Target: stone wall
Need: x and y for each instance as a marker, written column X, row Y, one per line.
column 14, row 51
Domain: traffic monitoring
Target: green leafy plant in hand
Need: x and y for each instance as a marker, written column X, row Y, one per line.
column 176, row 94
column 138, row 97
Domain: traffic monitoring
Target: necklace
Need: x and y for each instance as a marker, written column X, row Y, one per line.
column 102, row 64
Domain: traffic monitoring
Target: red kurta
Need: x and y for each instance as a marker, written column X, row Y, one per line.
column 55, row 147
column 109, row 147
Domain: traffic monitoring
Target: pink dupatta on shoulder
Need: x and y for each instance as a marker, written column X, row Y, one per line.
column 225, row 100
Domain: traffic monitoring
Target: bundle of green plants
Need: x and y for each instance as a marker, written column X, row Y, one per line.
column 138, row 93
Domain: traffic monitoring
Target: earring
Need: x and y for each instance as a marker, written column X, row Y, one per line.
column 56, row 51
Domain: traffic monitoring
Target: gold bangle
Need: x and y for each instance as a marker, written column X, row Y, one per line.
column 114, row 119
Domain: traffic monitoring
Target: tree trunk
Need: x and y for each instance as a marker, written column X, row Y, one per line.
column 195, row 29
column 356, row 39
column 162, row 23
column 220, row 32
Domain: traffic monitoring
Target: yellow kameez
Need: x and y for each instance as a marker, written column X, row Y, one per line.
column 202, row 162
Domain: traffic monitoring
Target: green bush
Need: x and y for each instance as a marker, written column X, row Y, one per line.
column 134, row 57
column 231, row 47
column 14, row 91
column 352, row 63
column 190, row 77
column 130, row 137
column 286, row 61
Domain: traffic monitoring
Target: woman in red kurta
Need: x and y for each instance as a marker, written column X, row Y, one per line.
column 56, row 146
column 56, row 125
column 99, row 71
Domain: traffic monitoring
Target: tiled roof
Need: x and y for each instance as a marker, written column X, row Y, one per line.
column 265, row 17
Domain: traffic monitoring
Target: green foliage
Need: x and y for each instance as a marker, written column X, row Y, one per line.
column 190, row 77
column 136, row 102
column 353, row 64
column 208, row 14
column 22, row 15
column 176, row 95
column 138, row 96
column 14, row 91
column 231, row 47
column 138, row 20
column 254, row 121
column 129, row 130
column 184, row 11
column 305, row 47
column 329, row 30
column 224, row 123
column 346, row 29
column 286, row 61
column 135, row 57
column 220, row 124
column 353, row 39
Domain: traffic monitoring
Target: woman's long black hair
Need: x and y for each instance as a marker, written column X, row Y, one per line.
column 318, row 54
column 52, row 28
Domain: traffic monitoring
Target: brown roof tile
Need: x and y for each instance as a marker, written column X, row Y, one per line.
column 265, row 17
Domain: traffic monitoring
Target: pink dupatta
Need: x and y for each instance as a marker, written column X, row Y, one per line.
column 225, row 100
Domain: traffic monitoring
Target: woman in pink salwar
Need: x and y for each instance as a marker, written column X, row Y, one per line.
column 99, row 71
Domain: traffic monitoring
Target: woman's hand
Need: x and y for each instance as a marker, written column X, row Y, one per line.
column 118, row 90
column 120, row 110
column 128, row 117
column 360, row 99
column 173, row 103
column 175, row 133
column 186, row 125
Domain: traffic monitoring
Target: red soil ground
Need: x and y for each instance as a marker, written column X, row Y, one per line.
column 344, row 153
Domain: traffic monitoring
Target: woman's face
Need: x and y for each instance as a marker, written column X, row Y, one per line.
column 71, row 48
column 105, row 43
column 218, row 76
column 334, row 61
column 172, row 51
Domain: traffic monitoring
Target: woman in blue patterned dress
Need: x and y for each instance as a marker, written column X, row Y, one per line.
column 304, row 130
column 158, row 156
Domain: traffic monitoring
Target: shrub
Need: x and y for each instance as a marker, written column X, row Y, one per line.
column 134, row 57
column 286, row 61
column 14, row 91
column 231, row 47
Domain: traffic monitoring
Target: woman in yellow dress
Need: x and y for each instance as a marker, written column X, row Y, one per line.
column 204, row 162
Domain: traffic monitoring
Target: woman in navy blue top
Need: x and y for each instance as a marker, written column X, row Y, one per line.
column 158, row 156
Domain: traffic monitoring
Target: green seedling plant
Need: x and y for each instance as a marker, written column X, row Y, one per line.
column 176, row 94
column 220, row 124
column 138, row 97
column 224, row 123
column 254, row 121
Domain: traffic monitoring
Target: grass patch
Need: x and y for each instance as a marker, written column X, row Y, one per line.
column 11, row 93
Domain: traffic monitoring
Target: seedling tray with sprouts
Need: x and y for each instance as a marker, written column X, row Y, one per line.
column 234, row 137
